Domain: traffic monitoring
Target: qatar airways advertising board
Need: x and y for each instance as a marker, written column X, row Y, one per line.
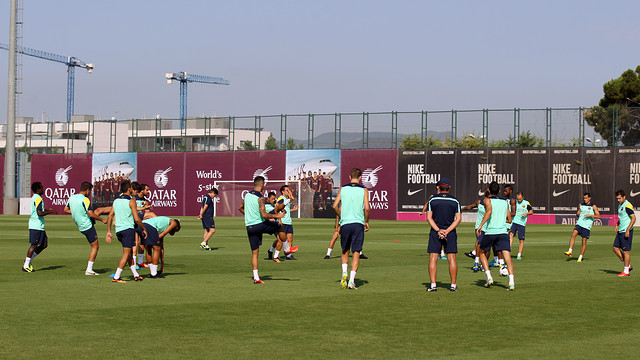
column 165, row 176
column 379, row 176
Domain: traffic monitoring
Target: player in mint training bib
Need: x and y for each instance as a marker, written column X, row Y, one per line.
column 79, row 206
column 519, row 222
column 284, row 201
column 253, row 209
column 37, row 236
column 125, row 211
column 157, row 228
column 624, row 231
column 352, row 207
column 497, row 215
column 587, row 212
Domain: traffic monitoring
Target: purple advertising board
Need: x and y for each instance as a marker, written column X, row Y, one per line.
column 379, row 176
column 2, row 184
column 165, row 177
column 232, row 173
column 61, row 175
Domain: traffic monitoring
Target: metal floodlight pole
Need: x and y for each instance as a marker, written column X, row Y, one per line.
column 9, row 198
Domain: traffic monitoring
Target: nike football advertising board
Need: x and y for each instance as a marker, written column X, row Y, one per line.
column 532, row 179
column 598, row 163
column 469, row 182
column 415, row 184
column 567, row 177
column 627, row 175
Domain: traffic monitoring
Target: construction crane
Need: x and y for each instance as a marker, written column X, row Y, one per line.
column 71, row 62
column 185, row 78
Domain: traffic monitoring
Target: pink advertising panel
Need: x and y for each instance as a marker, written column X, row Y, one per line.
column 165, row 176
column 379, row 176
column 2, row 184
column 61, row 175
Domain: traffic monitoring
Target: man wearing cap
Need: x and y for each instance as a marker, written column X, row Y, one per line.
column 443, row 215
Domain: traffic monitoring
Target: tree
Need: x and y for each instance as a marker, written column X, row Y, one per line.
column 467, row 141
column 412, row 141
column 526, row 139
column 247, row 145
column 271, row 143
column 621, row 102
column 291, row 145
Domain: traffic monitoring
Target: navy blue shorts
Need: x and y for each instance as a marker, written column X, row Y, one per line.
column 288, row 229
column 208, row 223
column 623, row 243
column 153, row 238
column 517, row 229
column 37, row 237
column 127, row 237
column 450, row 243
column 255, row 232
column 499, row 241
column 479, row 238
column 584, row 233
column 352, row 237
column 91, row 235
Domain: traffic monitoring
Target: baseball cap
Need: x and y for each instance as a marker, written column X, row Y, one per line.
column 444, row 181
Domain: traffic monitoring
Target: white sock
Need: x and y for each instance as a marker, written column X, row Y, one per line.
column 344, row 268
column 580, row 257
column 255, row 275
column 27, row 261
column 352, row 277
column 454, row 286
column 285, row 246
column 501, row 261
column 495, row 259
column 34, row 255
column 570, row 250
column 289, row 256
column 488, row 274
column 442, row 253
column 204, row 243
column 519, row 254
column 511, row 281
column 477, row 259
column 118, row 273
column 329, row 251
column 133, row 270
column 271, row 249
column 626, row 269
column 276, row 254
column 473, row 252
column 153, row 269
column 140, row 258
column 90, row 266
column 433, row 285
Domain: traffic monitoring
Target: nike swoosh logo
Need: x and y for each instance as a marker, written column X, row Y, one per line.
column 480, row 193
column 556, row 194
column 634, row 194
column 409, row 192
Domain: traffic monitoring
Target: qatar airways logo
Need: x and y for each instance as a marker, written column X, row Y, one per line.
column 263, row 173
column 161, row 179
column 62, row 176
column 370, row 177
column 378, row 199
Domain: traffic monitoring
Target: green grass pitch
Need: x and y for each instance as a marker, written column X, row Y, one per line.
column 208, row 307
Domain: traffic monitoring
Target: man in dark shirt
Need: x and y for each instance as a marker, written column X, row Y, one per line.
column 443, row 215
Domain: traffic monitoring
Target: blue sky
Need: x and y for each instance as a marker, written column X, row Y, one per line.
column 324, row 56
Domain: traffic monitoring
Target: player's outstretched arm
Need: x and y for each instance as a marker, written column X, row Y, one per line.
column 109, row 223
column 136, row 218
column 471, row 206
column 336, row 203
column 265, row 214
column 367, row 209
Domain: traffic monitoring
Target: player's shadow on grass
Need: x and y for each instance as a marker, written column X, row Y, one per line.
column 438, row 284
column 610, row 271
column 168, row 273
column 495, row 284
column 53, row 267
column 269, row 278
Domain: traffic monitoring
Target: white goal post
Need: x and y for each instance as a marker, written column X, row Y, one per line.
column 244, row 186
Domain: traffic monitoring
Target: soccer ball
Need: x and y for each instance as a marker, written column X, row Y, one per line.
column 504, row 271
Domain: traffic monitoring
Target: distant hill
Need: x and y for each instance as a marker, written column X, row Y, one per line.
column 353, row 140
